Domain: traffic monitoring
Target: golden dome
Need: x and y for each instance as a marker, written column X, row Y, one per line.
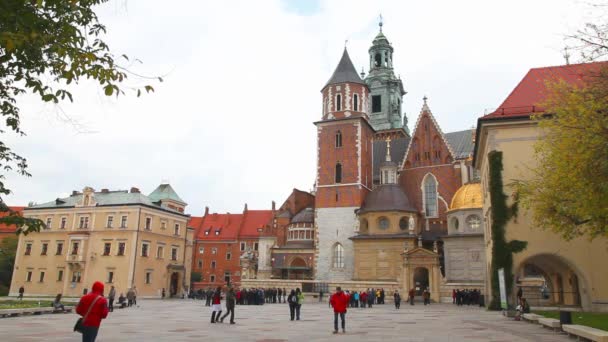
column 467, row 197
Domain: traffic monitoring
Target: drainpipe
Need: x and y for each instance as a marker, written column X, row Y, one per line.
column 136, row 246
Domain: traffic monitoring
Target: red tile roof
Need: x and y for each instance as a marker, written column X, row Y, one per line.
column 195, row 222
column 525, row 98
column 220, row 227
column 254, row 220
column 10, row 229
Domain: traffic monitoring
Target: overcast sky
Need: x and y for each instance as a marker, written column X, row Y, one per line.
column 232, row 123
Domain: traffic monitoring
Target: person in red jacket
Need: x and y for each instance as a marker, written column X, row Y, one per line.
column 98, row 310
column 339, row 301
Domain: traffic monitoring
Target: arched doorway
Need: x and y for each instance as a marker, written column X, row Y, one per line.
column 421, row 280
column 173, row 284
column 298, row 268
column 548, row 280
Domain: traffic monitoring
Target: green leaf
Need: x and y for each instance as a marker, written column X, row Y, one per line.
column 149, row 88
column 48, row 97
column 109, row 89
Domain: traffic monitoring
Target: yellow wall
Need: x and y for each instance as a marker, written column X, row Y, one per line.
column 580, row 256
column 129, row 269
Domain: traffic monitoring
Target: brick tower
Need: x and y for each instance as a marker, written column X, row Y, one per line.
column 344, row 169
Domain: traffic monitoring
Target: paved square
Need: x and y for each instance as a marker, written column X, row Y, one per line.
column 188, row 320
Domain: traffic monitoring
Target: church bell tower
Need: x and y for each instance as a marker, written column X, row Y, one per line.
column 344, row 169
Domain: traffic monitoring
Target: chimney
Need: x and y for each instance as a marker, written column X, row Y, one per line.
column 273, row 206
column 206, row 211
column 134, row 190
column 74, row 192
column 105, row 191
column 245, row 209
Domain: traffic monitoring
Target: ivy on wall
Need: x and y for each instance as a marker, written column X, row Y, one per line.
column 502, row 251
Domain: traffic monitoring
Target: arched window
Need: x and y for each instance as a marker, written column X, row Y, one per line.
column 338, row 102
column 338, row 173
column 430, row 195
column 338, row 139
column 377, row 60
column 338, row 256
column 356, row 103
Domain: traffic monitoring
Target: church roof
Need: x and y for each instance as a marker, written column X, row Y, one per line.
column 254, row 221
column 461, row 143
column 398, row 148
column 163, row 192
column 306, row 215
column 386, row 197
column 345, row 72
column 467, row 197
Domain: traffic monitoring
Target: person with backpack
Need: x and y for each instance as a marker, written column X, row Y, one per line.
column 93, row 307
column 292, row 300
column 339, row 301
column 216, row 305
column 397, row 298
column 299, row 302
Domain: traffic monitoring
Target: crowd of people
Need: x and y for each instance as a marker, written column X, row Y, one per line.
column 466, row 297
column 252, row 296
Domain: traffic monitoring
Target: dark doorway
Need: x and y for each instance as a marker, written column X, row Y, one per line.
column 174, row 282
column 421, row 280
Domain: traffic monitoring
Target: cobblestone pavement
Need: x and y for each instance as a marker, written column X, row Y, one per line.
column 188, row 320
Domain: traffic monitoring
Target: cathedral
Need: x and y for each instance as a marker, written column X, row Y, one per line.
column 389, row 205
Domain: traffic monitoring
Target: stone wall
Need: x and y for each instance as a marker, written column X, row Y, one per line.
column 335, row 225
column 464, row 258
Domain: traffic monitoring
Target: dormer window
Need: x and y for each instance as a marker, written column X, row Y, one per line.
column 207, row 231
column 217, row 231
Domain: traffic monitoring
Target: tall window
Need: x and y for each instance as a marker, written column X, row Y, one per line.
column 338, row 173
column 338, row 256
column 28, row 248
column 212, row 278
column 123, row 221
column 376, row 103
column 28, row 277
column 174, row 253
column 110, row 277
column 213, row 264
column 45, row 248
column 148, row 277
column 242, row 246
column 59, row 248
column 60, row 275
column 159, row 252
column 228, row 255
column 84, row 222
column 176, row 229
column 144, row 249
column 121, row 248
column 42, row 276
column 106, row 249
column 49, row 221
column 76, row 276
column 148, row 223
column 110, row 222
column 339, row 139
column 75, row 248
column 430, row 196
column 64, row 221
column 356, row 102
column 338, row 102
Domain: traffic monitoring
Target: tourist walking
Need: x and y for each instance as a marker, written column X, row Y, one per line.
column 339, row 301
column 299, row 302
column 21, row 291
column 412, row 293
column 162, row 294
column 93, row 308
column 216, row 305
column 280, row 294
column 426, row 295
column 320, row 296
column 111, row 297
column 230, row 304
column 397, row 299
column 292, row 300
column 135, row 295
column 130, row 297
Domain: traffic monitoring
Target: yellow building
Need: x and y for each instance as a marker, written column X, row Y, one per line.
column 122, row 238
column 550, row 271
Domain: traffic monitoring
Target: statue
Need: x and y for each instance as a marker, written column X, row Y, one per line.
column 411, row 224
column 248, row 264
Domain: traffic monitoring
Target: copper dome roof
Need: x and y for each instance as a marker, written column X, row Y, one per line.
column 387, row 197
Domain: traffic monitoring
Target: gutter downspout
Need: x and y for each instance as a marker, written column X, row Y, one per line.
column 136, row 245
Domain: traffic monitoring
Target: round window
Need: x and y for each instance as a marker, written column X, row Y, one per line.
column 383, row 223
column 404, row 223
column 474, row 222
column 455, row 223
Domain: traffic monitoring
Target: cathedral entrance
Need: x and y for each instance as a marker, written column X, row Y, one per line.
column 421, row 280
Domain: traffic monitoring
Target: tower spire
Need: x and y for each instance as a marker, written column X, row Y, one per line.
column 380, row 22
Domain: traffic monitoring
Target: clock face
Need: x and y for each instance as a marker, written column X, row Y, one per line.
column 383, row 223
column 474, row 222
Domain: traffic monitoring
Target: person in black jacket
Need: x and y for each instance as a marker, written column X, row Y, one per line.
column 292, row 299
column 230, row 304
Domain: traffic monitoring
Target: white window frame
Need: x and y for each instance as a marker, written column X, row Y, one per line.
column 338, row 256
column 147, row 244
column 49, row 222
column 110, row 221
column 148, row 223
column 64, row 222
column 425, row 196
column 175, row 251
column 176, row 229
column 201, row 250
column 124, row 221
